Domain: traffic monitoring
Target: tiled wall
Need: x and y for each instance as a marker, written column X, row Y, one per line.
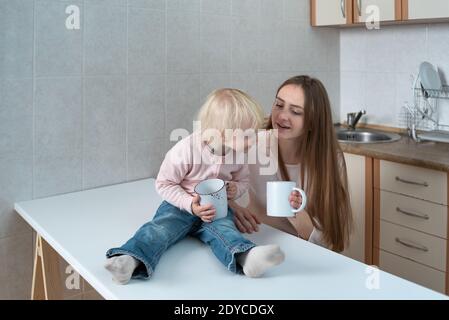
column 92, row 107
column 376, row 68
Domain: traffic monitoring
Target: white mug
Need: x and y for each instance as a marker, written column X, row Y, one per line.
column 213, row 191
column 278, row 193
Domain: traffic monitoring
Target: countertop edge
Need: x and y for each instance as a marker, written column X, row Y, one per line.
column 359, row 150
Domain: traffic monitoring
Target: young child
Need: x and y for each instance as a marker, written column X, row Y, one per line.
column 181, row 215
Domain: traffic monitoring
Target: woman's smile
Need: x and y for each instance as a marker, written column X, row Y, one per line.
column 282, row 128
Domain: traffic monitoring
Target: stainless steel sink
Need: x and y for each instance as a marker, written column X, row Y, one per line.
column 366, row 136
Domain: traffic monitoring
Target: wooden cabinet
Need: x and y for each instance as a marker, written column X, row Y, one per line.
column 330, row 12
column 387, row 10
column 423, row 10
column 357, row 12
column 352, row 12
column 410, row 223
column 401, row 219
column 359, row 170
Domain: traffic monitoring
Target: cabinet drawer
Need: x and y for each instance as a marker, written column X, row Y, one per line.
column 415, row 245
column 412, row 271
column 414, row 213
column 414, row 181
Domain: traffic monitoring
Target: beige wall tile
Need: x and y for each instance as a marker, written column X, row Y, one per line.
column 16, row 265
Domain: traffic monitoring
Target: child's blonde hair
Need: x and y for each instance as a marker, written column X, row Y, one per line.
column 230, row 109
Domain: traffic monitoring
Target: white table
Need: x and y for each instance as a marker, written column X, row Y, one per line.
column 82, row 226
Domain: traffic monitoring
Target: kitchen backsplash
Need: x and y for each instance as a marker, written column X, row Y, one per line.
column 377, row 67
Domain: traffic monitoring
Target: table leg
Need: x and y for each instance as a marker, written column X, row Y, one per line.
column 38, row 288
column 46, row 272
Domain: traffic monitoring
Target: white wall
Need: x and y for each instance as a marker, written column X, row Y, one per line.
column 93, row 107
column 376, row 66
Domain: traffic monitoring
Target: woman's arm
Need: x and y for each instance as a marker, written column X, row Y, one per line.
column 302, row 224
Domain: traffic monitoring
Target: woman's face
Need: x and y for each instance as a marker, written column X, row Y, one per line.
column 287, row 113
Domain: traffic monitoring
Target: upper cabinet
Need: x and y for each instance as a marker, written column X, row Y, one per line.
column 357, row 12
column 331, row 12
column 428, row 9
column 386, row 10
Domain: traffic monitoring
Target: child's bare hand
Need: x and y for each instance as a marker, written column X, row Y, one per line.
column 205, row 213
column 231, row 190
column 295, row 199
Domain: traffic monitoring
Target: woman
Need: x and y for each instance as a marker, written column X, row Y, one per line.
column 308, row 153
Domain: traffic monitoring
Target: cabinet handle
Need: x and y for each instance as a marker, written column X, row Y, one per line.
column 359, row 5
column 343, row 8
column 424, row 216
column 423, row 184
column 410, row 245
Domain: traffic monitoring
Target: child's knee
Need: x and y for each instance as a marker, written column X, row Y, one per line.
column 227, row 222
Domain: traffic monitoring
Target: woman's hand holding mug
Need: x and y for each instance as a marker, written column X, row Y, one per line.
column 295, row 199
column 284, row 199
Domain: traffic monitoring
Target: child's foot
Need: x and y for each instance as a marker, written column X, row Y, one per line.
column 259, row 259
column 121, row 267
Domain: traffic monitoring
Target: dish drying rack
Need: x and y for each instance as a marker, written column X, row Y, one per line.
column 421, row 118
column 443, row 93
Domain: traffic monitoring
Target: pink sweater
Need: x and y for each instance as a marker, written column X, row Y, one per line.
column 181, row 170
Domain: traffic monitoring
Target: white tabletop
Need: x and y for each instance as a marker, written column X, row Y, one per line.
column 82, row 226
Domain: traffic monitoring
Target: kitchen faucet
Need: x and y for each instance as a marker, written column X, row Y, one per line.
column 353, row 118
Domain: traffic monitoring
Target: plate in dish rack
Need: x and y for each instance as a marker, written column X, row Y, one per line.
column 430, row 79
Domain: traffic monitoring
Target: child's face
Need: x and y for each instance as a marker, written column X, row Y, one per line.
column 288, row 112
column 241, row 142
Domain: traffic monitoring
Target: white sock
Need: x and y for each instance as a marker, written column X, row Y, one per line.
column 121, row 267
column 259, row 259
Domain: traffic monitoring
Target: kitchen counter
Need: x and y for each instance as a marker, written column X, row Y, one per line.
column 81, row 226
column 432, row 155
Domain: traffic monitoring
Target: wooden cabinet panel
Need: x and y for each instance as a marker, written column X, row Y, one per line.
column 389, row 10
column 356, row 179
column 331, row 12
column 413, row 213
column 414, row 245
column 428, row 9
column 412, row 271
column 422, row 183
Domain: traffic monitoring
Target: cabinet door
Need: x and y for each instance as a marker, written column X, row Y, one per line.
column 388, row 10
column 428, row 9
column 330, row 12
column 355, row 165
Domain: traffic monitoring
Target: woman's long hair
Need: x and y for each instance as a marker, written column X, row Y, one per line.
column 322, row 166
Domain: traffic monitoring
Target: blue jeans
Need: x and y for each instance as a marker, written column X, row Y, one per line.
column 171, row 224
